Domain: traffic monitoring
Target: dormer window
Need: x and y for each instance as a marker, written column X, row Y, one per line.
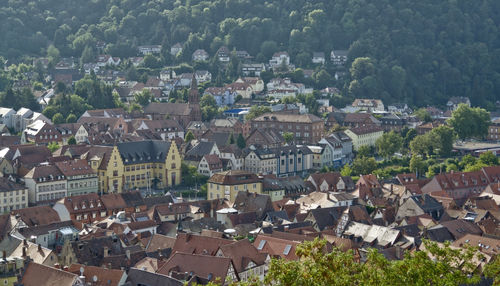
column 76, row 208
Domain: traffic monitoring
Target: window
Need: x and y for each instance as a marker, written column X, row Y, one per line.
column 115, row 173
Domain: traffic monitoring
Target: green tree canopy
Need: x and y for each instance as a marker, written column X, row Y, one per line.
column 470, row 122
column 389, row 143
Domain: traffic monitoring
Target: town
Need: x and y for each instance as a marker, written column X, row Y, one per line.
column 175, row 176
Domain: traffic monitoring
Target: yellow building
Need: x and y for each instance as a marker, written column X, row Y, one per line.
column 227, row 184
column 364, row 136
column 137, row 165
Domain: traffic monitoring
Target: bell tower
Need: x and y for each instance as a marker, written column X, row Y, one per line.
column 194, row 100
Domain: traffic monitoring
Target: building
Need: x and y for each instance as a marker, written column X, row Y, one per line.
column 13, row 196
column 223, row 96
column 305, row 128
column 176, row 49
column 455, row 101
column 364, row 136
column 278, row 59
column 341, row 146
column 81, row 178
column 392, row 122
column 46, row 183
column 281, row 161
column 252, row 69
column 338, row 57
column 494, row 130
column 223, row 54
column 144, row 164
column 318, row 58
column 369, row 105
column 209, row 165
column 200, row 55
column 149, row 49
column 40, row 133
column 227, row 184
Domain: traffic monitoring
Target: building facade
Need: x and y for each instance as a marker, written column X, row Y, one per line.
column 227, row 184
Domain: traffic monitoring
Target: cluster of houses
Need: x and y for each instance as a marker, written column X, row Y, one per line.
column 247, row 220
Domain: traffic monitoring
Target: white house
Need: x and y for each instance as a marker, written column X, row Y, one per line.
column 6, row 116
column 176, row 49
column 318, row 58
column 200, row 55
column 45, row 183
column 150, row 49
column 279, row 58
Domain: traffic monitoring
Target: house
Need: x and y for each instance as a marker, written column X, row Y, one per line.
column 35, row 216
column 104, row 60
column 494, row 130
column 457, row 185
column 49, row 235
column 81, row 178
column 341, row 147
column 6, row 116
column 227, row 184
column 247, row 260
column 176, row 49
column 252, row 69
column 276, row 247
column 323, row 218
column 400, row 108
column 281, row 161
column 223, row 54
column 418, row 205
column 331, row 182
column 197, row 128
column 203, row 76
column 139, row 277
column 278, row 59
column 195, row 154
column 97, row 275
column 269, row 138
column 493, row 191
column 40, row 133
column 364, row 136
column 210, row 268
column 15, row 196
column 338, row 57
column 359, row 120
column 242, row 88
column 139, row 227
column 369, row 105
column 149, row 49
column 255, row 83
column 373, row 235
column 200, row 55
column 122, row 166
column 84, row 208
column 223, row 96
column 24, row 157
column 209, row 165
column 46, row 183
column 318, row 58
column 305, row 128
column 392, row 122
column 166, row 128
column 36, row 252
column 37, row 274
column 455, row 101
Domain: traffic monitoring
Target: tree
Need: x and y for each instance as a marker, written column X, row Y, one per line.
column 231, row 139
column 53, row 54
column 364, row 151
column 417, row 165
column 470, row 122
column 346, row 170
column 144, row 97
column 58, row 118
column 87, row 55
column 72, row 140
column 288, row 137
column 434, row 265
column 424, row 145
column 256, row 111
column 423, row 115
column 53, row 146
column 389, row 143
column 363, row 165
column 71, row 118
column 240, row 141
column 189, row 136
column 446, row 137
column 488, row 158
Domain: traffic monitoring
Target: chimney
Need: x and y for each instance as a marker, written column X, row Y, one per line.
column 40, row 248
column 105, row 249
column 398, row 252
column 24, row 251
column 127, row 252
column 57, row 266
column 65, row 268
column 25, row 243
column 4, row 255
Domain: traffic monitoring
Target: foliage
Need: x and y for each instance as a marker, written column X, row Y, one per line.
column 492, row 270
column 144, row 97
column 53, row 146
column 488, row 158
column 445, row 137
column 72, row 140
column 256, row 111
column 417, row 165
column 364, row 151
column 389, row 143
column 240, row 141
column 208, row 107
column 19, row 98
column 435, row 265
column 470, row 122
column 363, row 165
column 71, row 118
column 288, row 137
column 422, row 114
column 189, row 136
column 190, row 176
column 58, row 118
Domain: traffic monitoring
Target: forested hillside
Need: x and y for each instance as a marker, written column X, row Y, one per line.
column 421, row 52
